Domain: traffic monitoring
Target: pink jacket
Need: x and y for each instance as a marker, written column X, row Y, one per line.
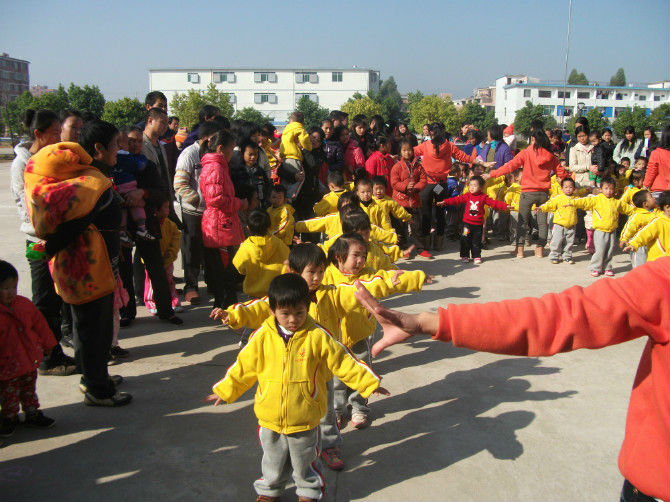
column 353, row 156
column 221, row 225
column 380, row 164
column 24, row 336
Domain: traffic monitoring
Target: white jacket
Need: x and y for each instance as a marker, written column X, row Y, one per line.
column 630, row 153
column 580, row 162
column 16, row 186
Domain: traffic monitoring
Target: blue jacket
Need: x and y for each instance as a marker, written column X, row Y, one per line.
column 502, row 155
column 128, row 168
column 454, row 189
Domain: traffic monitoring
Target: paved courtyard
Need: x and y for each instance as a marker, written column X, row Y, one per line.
column 458, row 425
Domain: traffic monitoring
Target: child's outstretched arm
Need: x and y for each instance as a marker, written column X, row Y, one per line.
column 452, row 201
column 242, row 375
column 644, row 237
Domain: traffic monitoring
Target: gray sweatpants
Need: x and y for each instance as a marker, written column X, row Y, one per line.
column 286, row 453
column 330, row 434
column 562, row 240
column 638, row 257
column 344, row 395
column 525, row 216
column 604, row 243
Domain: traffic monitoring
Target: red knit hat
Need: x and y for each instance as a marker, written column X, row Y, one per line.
column 509, row 130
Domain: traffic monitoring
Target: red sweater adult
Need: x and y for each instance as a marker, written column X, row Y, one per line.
column 538, row 165
column 437, row 167
column 474, row 206
column 608, row 312
column 380, row 164
column 658, row 171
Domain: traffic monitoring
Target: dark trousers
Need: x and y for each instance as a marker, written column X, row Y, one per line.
column 403, row 228
column 92, row 324
column 222, row 279
column 526, row 202
column 49, row 304
column 428, row 198
column 150, row 253
column 191, row 250
column 471, row 240
column 631, row 494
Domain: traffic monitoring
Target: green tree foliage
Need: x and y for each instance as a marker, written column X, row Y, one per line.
column 660, row 117
column 187, row 105
column 314, row 114
column 250, row 114
column 637, row 117
column 56, row 101
column 358, row 104
column 576, row 78
column 390, row 99
column 474, row 113
column 619, row 78
column 433, row 108
column 597, row 122
column 124, row 112
column 86, row 99
column 12, row 113
column 524, row 116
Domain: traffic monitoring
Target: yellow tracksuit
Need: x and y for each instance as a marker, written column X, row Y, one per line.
column 377, row 215
column 513, row 195
column 623, row 181
column 270, row 153
column 359, row 324
column 331, row 226
column 563, row 216
column 379, row 257
column 640, row 218
column 655, row 236
column 605, row 211
column 292, row 376
column 392, row 208
column 169, row 241
column 555, row 187
column 328, row 204
column 282, row 222
column 627, row 196
column 260, row 259
column 293, row 138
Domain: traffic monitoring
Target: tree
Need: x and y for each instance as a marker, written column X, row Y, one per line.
column 637, row 118
column 619, row 78
column 12, row 113
column 124, row 113
column 362, row 105
column 250, row 114
column 187, row 105
column 390, row 99
column 474, row 113
column 577, row 78
column 433, row 108
column 86, row 99
column 56, row 101
column 314, row 114
column 524, row 116
column 660, row 117
column 597, row 122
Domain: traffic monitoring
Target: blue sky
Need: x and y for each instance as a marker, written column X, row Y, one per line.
column 428, row 45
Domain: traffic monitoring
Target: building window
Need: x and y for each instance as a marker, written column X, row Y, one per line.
column 642, row 97
column 526, row 93
column 619, row 111
column 619, row 96
column 562, row 95
column 602, row 94
column 231, row 97
column 312, row 96
column 337, row 76
column 223, row 76
column 306, row 78
column 194, row 78
column 583, row 94
column 270, row 77
column 260, row 98
column 544, row 94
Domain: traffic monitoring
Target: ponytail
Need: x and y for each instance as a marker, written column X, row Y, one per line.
column 541, row 139
column 39, row 120
column 439, row 136
column 219, row 138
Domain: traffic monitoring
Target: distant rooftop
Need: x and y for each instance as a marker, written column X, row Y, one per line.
column 7, row 56
column 252, row 68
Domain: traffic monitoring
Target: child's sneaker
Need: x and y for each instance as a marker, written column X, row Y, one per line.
column 144, row 234
column 569, row 262
column 266, row 498
column 117, row 352
column 342, row 420
column 477, row 261
column 333, row 459
column 555, row 262
column 306, row 499
column 609, row 273
column 360, row 420
column 595, row 273
column 465, row 260
column 426, row 254
column 8, row 426
column 38, row 419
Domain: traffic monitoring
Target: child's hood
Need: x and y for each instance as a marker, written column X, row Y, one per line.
column 292, row 128
column 265, row 246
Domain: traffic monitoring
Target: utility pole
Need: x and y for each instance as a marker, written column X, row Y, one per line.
column 565, row 74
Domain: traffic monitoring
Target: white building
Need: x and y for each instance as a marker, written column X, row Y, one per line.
column 275, row 91
column 512, row 92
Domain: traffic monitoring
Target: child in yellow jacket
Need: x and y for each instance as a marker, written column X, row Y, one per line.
column 291, row 357
column 655, row 236
column 328, row 204
column 606, row 210
column 565, row 220
column 512, row 198
column 260, row 257
column 281, row 215
column 368, row 204
column 294, row 139
column 645, row 211
column 636, row 184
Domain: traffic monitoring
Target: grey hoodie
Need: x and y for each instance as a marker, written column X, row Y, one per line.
column 16, row 186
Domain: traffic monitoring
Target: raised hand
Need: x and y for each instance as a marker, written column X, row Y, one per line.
column 381, row 391
column 219, row 315
column 213, row 398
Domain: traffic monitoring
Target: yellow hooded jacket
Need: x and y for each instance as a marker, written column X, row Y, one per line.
column 392, row 208
column 377, row 215
column 656, row 237
column 292, row 376
column 563, row 216
column 640, row 218
column 513, row 195
column 331, row 225
column 379, row 257
column 294, row 137
column 260, row 259
column 170, row 241
column 605, row 211
column 328, row 204
column 627, row 196
column 282, row 222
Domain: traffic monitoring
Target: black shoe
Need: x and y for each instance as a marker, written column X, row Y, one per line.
column 118, row 399
column 124, row 322
column 8, row 426
column 178, row 321
column 67, row 341
column 60, row 369
column 118, row 352
column 116, row 381
column 37, row 419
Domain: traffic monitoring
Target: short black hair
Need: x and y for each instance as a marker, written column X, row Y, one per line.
column 207, row 112
column 207, row 129
column 379, row 180
column 172, row 118
column 569, row 180
column 625, row 158
column 245, row 191
column 347, row 199
column 96, row 131
column 248, row 143
column 340, row 248
column 362, row 181
column 336, row 178
column 640, row 198
column 155, row 113
column 278, row 189
column 305, row 254
column 636, row 176
column 288, row 290
column 663, row 200
column 355, row 220
column 7, row 271
column 608, row 180
column 154, row 96
column 258, row 222
column 478, row 179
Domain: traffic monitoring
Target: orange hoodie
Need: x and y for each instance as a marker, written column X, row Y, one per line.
column 538, row 165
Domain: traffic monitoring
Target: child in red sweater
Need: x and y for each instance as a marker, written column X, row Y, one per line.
column 380, row 161
column 473, row 217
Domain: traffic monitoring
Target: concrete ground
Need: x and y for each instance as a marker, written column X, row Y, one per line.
column 458, row 425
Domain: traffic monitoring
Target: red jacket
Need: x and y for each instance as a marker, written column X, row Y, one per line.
column 538, row 165
column 380, row 164
column 658, row 171
column 220, row 223
column 474, row 213
column 353, row 156
column 437, row 167
column 608, row 312
column 24, row 336
column 401, row 174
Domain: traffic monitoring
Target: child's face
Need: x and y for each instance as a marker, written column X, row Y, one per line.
column 402, row 128
column 360, row 130
column 407, row 152
column 608, row 190
column 582, row 138
column 607, row 136
column 134, row 142
column 8, row 291
column 568, row 189
column 291, row 318
column 276, row 199
column 637, row 183
column 650, row 203
column 426, row 131
column 595, row 140
column 164, row 211
column 621, row 171
column 123, row 141
column 378, row 191
column 626, row 164
column 474, row 187
column 313, row 275
column 355, row 259
column 364, row 192
column 253, row 202
column 385, row 147
column 250, row 156
column 639, row 164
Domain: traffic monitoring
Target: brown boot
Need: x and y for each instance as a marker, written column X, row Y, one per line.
column 519, row 251
column 539, row 252
column 438, row 242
